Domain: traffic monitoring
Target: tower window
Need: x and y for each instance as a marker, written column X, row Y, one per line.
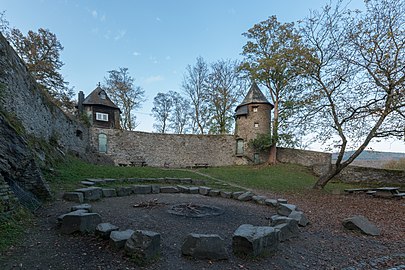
column 254, row 109
column 256, row 125
column 102, row 117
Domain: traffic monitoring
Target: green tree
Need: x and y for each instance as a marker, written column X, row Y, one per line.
column 225, row 89
column 41, row 53
column 272, row 58
column 180, row 117
column 121, row 89
column 355, row 76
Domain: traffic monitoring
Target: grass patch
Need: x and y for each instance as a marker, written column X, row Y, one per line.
column 12, row 228
column 276, row 178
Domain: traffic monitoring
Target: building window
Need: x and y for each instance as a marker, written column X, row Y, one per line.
column 254, row 109
column 256, row 125
column 103, row 95
column 102, row 116
column 102, row 143
column 239, row 147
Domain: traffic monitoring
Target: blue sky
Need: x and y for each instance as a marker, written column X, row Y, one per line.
column 154, row 39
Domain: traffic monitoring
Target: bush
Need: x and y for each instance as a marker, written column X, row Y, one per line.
column 395, row 164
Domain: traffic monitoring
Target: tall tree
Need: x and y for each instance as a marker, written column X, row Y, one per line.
column 195, row 87
column 4, row 24
column 179, row 119
column 41, row 53
column 272, row 54
column 356, row 74
column 162, row 108
column 225, row 89
column 120, row 86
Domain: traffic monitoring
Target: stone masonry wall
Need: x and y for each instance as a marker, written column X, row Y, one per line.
column 366, row 175
column 170, row 149
column 7, row 200
column 20, row 97
column 319, row 162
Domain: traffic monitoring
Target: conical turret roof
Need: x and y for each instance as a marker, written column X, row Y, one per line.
column 254, row 96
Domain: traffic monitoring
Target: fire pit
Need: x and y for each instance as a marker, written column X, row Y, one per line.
column 195, row 210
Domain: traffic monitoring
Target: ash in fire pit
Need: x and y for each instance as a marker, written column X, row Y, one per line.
column 195, row 210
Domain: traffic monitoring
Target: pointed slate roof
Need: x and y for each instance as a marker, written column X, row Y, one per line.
column 94, row 98
column 254, row 96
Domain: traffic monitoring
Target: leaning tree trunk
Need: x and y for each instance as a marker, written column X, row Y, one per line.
column 272, row 155
column 325, row 178
column 273, row 147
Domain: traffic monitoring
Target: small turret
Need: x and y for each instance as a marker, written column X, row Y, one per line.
column 253, row 117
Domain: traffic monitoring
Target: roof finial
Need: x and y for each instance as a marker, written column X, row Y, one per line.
column 98, row 84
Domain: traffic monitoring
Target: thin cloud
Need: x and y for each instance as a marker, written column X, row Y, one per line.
column 158, row 19
column 136, row 53
column 120, row 34
column 168, row 58
column 94, row 14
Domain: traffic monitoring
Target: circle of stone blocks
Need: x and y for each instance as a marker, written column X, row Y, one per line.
column 214, row 193
column 143, row 246
column 119, row 238
column 91, row 193
column 80, row 222
column 124, row 191
column 104, row 230
column 253, row 241
column 246, row 196
column 300, row 217
column 204, row 246
column 204, row 190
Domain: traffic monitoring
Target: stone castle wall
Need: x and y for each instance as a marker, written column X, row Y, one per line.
column 367, row 175
column 40, row 117
column 172, row 150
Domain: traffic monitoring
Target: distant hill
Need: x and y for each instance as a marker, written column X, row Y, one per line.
column 372, row 156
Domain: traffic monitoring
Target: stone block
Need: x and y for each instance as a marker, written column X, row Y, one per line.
column 277, row 219
column 104, row 230
column 204, row 246
column 259, row 199
column 194, row 190
column 124, row 191
column 183, row 189
column 300, row 217
column 285, row 209
column 84, row 206
column 236, row 194
column 80, row 222
column 280, row 200
column 142, row 189
column 169, row 189
column 73, row 197
column 119, row 238
column 271, row 202
column 214, row 193
column 246, row 196
column 155, row 189
column 253, row 241
column 361, row 224
column 109, row 192
column 225, row 194
column 143, row 246
column 60, row 218
column 204, row 190
column 91, row 193
column 87, row 183
column 287, row 230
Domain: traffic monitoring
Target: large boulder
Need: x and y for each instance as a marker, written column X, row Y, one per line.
column 143, row 246
column 288, row 230
column 79, row 221
column 361, row 224
column 249, row 240
column 204, row 246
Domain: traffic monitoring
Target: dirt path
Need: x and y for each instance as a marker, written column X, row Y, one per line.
column 322, row 245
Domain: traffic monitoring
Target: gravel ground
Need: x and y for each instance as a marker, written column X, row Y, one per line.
column 322, row 245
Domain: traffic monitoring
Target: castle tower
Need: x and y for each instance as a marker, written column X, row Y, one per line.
column 252, row 118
